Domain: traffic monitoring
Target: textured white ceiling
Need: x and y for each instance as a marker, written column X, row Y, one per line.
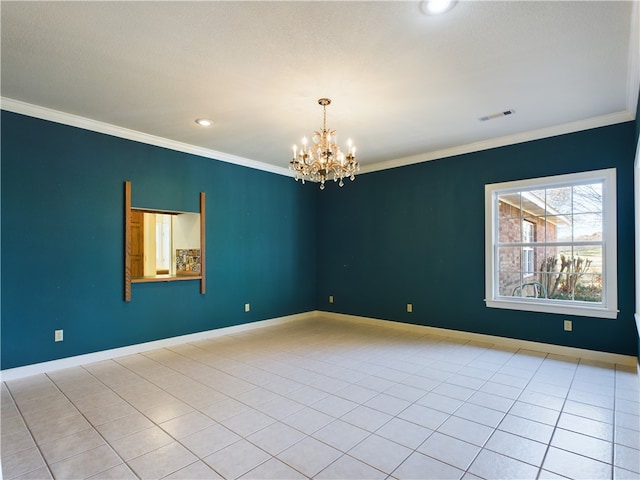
column 403, row 84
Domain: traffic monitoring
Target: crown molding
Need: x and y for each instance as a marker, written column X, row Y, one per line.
column 595, row 122
column 44, row 113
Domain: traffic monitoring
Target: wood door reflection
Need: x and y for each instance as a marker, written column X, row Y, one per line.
column 137, row 244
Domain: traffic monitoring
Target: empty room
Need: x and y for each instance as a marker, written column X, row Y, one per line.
column 320, row 240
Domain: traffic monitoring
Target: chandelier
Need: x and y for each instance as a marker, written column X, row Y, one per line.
column 324, row 159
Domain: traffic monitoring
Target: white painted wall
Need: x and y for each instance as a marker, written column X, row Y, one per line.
column 186, row 231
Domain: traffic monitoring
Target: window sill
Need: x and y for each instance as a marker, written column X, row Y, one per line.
column 166, row 278
column 552, row 307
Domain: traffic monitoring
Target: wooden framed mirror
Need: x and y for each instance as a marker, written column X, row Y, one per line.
column 162, row 245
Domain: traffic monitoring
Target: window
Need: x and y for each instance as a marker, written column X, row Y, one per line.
column 551, row 244
column 527, row 251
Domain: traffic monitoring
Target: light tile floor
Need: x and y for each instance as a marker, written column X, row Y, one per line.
column 328, row 400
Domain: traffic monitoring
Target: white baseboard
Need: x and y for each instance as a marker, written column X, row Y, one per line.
column 28, row 370
column 593, row 355
column 37, row 368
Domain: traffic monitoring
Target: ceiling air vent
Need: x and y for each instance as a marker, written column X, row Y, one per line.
column 497, row 115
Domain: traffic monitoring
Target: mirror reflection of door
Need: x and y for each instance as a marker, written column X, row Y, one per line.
column 137, row 244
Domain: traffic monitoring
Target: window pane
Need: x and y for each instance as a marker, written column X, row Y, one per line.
column 530, row 289
column 509, row 259
column 533, row 203
column 507, row 283
column 527, row 231
column 560, row 228
column 587, row 198
column 537, row 229
column 548, row 269
column 560, row 287
column 528, row 266
column 589, row 288
column 564, row 252
column 588, row 259
column 546, row 229
column 509, row 267
column 587, row 227
column 554, row 272
column 539, row 256
column 509, row 205
column 509, row 229
column 558, row 200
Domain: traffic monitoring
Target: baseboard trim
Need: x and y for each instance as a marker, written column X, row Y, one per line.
column 37, row 368
column 592, row 355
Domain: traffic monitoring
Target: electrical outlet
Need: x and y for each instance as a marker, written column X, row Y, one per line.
column 58, row 335
column 247, row 307
column 409, row 307
column 568, row 326
column 330, row 298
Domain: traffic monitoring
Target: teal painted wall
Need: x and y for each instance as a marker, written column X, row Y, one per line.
column 409, row 235
column 415, row 234
column 62, row 242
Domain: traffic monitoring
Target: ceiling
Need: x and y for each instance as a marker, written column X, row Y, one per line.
column 406, row 87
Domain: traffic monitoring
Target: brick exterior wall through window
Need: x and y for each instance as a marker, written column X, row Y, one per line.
column 510, row 228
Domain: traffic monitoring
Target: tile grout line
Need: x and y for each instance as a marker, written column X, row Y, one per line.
column 198, row 410
column 317, row 359
column 214, row 420
column 26, row 425
column 496, row 428
column 111, row 389
column 143, row 414
column 564, row 403
column 92, row 425
column 415, row 402
column 555, row 426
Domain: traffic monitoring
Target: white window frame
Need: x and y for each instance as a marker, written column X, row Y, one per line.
column 608, row 308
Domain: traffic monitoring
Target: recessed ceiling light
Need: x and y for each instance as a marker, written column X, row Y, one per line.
column 203, row 122
column 436, row 7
